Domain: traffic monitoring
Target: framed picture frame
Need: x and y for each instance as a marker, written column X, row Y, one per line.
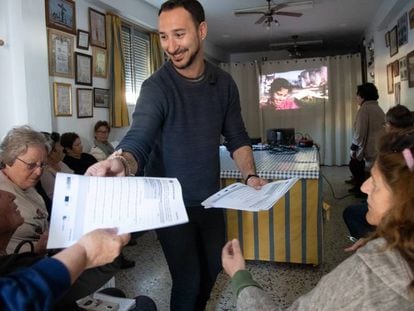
column 100, row 60
column 387, row 39
column 410, row 69
column 83, row 67
column 393, row 41
column 61, row 14
column 101, row 98
column 402, row 28
column 62, row 95
column 82, row 39
column 403, row 68
column 411, row 18
column 60, row 53
column 396, row 68
column 97, row 28
column 390, row 79
column 397, row 93
column 84, row 102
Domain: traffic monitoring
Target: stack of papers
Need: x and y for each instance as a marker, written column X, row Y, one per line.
column 242, row 197
column 84, row 203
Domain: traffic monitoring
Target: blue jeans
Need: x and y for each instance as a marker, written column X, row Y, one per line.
column 354, row 217
column 193, row 254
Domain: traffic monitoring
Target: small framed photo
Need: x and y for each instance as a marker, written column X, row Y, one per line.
column 411, row 18
column 410, row 68
column 393, row 41
column 402, row 28
column 101, row 98
column 396, row 68
column 387, row 39
column 60, row 53
column 61, row 14
column 403, row 68
column 83, row 69
column 390, row 79
column 97, row 28
column 397, row 93
column 62, row 94
column 82, row 41
column 99, row 62
column 84, row 101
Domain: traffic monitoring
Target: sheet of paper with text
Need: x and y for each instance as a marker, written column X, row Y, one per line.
column 84, row 203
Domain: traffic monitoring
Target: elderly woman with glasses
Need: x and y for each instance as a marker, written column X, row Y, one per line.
column 102, row 148
column 23, row 158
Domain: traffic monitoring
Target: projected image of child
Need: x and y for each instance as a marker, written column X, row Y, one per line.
column 281, row 95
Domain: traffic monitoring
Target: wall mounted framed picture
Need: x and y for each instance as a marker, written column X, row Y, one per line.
column 402, row 29
column 82, row 40
column 97, row 28
column 411, row 18
column 61, row 14
column 397, row 93
column 393, row 41
column 390, row 79
column 410, row 68
column 83, row 69
column 99, row 58
column 60, row 53
column 101, row 98
column 402, row 64
column 62, row 95
column 396, row 68
column 84, row 101
column 387, row 39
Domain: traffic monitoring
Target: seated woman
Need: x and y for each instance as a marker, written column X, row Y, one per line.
column 75, row 158
column 23, row 158
column 380, row 274
column 102, row 148
column 397, row 118
column 54, row 164
column 43, row 280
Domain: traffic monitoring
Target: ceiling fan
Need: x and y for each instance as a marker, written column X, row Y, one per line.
column 294, row 46
column 268, row 15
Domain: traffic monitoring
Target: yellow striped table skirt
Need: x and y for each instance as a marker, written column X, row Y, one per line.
column 291, row 231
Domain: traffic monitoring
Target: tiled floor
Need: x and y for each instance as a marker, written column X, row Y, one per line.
column 284, row 282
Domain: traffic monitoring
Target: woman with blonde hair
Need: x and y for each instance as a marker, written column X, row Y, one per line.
column 379, row 276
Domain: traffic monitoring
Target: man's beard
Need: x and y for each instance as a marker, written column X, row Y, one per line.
column 190, row 60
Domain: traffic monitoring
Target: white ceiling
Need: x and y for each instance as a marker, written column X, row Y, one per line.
column 339, row 23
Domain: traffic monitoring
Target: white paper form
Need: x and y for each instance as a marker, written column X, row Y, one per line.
column 242, row 197
column 84, row 203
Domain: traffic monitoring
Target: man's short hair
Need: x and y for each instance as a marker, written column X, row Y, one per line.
column 278, row 84
column 191, row 6
column 399, row 117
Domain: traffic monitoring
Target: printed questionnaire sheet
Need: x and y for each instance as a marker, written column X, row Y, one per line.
column 84, row 203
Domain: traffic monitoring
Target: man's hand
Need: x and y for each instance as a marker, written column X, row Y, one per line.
column 256, row 182
column 109, row 167
column 232, row 257
column 358, row 244
column 40, row 246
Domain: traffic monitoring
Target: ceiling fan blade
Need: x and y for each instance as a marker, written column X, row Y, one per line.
column 292, row 14
column 261, row 19
column 248, row 12
column 278, row 7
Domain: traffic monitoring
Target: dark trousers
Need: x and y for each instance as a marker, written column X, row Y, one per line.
column 193, row 254
column 354, row 217
column 357, row 169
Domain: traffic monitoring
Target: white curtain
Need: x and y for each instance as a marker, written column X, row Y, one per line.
column 329, row 123
column 246, row 76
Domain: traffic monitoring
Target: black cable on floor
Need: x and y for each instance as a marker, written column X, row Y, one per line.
column 332, row 190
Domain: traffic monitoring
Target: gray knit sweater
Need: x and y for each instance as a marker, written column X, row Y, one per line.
column 177, row 125
column 371, row 279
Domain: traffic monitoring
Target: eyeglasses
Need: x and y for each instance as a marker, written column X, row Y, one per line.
column 102, row 132
column 33, row 166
